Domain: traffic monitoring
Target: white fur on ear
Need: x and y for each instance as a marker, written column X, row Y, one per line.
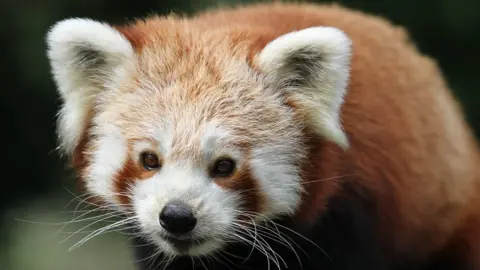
column 312, row 66
column 85, row 56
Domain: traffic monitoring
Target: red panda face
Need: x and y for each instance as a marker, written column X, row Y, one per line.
column 185, row 135
column 226, row 154
column 214, row 155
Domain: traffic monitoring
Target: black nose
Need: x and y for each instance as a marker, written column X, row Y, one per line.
column 177, row 218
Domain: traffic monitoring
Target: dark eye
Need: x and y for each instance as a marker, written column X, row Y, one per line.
column 149, row 161
column 223, row 168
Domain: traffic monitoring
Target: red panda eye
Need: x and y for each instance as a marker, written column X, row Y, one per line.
column 222, row 168
column 150, row 161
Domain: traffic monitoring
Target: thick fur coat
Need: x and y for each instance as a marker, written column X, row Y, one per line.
column 350, row 150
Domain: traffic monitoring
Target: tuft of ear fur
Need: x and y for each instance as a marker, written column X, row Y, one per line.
column 85, row 57
column 312, row 67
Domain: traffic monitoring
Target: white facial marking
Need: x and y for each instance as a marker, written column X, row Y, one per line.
column 164, row 135
column 141, row 146
column 278, row 176
column 108, row 160
column 216, row 142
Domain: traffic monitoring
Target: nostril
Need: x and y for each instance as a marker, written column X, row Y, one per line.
column 177, row 218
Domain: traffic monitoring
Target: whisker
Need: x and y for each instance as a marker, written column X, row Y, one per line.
column 263, row 245
column 100, row 231
column 86, row 226
column 267, row 219
column 270, row 234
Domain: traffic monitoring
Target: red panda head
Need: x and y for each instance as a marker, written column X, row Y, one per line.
column 191, row 132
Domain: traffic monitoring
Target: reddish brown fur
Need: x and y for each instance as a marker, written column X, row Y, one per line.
column 384, row 58
column 243, row 183
column 127, row 176
column 410, row 147
column 132, row 171
column 80, row 161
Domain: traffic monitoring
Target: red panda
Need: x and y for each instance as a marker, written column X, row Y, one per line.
column 263, row 136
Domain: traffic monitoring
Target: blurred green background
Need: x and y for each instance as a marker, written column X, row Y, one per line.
column 36, row 187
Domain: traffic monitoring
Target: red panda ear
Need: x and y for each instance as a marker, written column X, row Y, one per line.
column 311, row 67
column 86, row 57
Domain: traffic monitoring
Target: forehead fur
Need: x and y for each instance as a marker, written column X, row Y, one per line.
column 188, row 82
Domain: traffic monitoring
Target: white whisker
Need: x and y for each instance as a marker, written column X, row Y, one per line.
column 100, row 231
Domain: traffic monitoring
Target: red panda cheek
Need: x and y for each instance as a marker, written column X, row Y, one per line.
column 131, row 172
column 247, row 187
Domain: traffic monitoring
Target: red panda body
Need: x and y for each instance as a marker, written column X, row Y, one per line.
column 393, row 184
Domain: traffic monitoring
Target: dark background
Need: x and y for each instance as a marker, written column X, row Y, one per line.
column 35, row 186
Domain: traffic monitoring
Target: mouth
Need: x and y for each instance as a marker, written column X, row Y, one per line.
column 183, row 243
